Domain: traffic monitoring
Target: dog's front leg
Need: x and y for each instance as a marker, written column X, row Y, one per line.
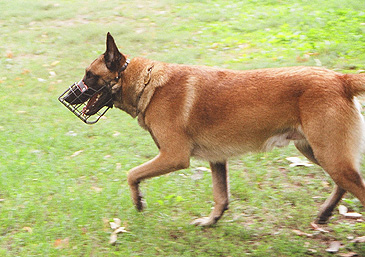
column 163, row 163
column 220, row 194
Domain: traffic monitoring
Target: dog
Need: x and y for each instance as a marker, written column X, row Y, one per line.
column 214, row 114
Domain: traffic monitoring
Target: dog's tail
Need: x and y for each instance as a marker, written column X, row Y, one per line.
column 355, row 83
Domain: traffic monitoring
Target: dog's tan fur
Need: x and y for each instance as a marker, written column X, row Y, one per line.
column 215, row 114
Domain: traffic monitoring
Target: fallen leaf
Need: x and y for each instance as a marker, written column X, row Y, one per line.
column 116, row 133
column 312, row 251
column 120, row 230
column 61, row 243
column 202, row 169
column 334, row 247
column 313, row 54
column 350, row 254
column 55, row 63
column 116, row 226
column 342, row 209
column 305, row 58
column 295, row 161
column 318, row 228
column 76, row 153
column 96, row 189
column 301, row 233
column 352, row 215
column 360, row 239
column 116, row 223
column 71, row 133
column 25, row 71
column 9, row 54
column 28, row 229
column 113, row 239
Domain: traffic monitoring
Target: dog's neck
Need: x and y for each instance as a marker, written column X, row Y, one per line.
column 135, row 88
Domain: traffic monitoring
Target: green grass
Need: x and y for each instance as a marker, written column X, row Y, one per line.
column 45, row 46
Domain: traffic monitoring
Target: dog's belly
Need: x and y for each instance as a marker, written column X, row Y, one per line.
column 216, row 150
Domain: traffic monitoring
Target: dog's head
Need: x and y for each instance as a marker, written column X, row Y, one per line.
column 101, row 75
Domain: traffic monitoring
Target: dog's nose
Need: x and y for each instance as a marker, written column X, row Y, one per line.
column 77, row 93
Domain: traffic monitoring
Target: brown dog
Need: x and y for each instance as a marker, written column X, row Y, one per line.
column 215, row 114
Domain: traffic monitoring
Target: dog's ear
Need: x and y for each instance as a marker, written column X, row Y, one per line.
column 113, row 58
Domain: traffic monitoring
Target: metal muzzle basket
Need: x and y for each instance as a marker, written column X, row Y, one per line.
column 81, row 94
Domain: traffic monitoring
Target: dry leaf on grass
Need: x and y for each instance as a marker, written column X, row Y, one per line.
column 301, row 233
column 9, row 54
column 96, row 189
column 55, row 63
column 113, row 239
column 344, row 211
column 295, row 161
column 202, row 169
column 353, row 215
column 360, row 239
column 318, row 228
column 28, row 229
column 116, row 134
column 116, row 226
column 116, row 223
column 76, row 153
column 120, row 230
column 350, row 254
column 334, row 247
column 61, row 243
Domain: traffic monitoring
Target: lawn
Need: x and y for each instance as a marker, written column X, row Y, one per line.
column 62, row 181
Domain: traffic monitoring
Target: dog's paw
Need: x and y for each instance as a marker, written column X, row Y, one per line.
column 205, row 221
column 141, row 204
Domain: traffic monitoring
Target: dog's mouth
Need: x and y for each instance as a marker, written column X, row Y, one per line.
column 85, row 102
column 98, row 101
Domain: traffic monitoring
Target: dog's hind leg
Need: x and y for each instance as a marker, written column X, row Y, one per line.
column 337, row 193
column 329, row 205
column 220, row 194
column 345, row 173
column 335, row 137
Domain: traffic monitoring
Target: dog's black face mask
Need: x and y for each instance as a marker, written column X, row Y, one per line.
column 89, row 89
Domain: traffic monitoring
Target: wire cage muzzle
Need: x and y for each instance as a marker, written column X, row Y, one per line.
column 78, row 108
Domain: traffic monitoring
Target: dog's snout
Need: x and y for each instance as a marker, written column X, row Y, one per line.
column 77, row 93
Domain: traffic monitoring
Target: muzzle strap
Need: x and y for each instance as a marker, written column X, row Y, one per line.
column 123, row 69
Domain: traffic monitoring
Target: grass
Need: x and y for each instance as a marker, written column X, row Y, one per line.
column 57, row 204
